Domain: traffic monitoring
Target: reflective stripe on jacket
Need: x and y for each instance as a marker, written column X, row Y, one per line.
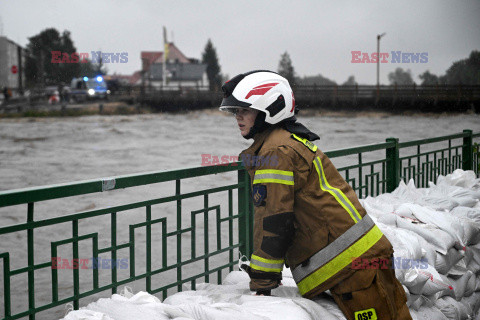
column 306, row 214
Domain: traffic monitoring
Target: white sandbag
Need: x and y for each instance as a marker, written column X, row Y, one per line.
column 474, row 266
column 122, row 308
column 464, row 285
column 459, row 177
column 444, row 262
column 85, row 314
column 428, row 251
column 437, row 218
column 458, row 269
column 435, row 283
column 471, row 213
column 452, row 309
column 376, row 208
column 472, row 302
column 412, row 298
column 417, row 303
column 456, row 192
column 407, row 193
column 388, row 219
column 471, row 229
column 424, row 313
column 476, row 251
column 415, row 280
column 439, row 203
column 439, row 239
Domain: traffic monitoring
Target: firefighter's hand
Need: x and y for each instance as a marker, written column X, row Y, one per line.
column 262, row 282
column 263, row 292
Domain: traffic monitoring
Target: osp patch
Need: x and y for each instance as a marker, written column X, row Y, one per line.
column 259, row 194
column 368, row 314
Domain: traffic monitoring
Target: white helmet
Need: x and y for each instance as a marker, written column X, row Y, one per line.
column 263, row 90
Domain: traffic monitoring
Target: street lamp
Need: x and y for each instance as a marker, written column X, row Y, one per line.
column 379, row 36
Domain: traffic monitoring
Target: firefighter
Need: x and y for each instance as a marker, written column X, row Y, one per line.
column 306, row 215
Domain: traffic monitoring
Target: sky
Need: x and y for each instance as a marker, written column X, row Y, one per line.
column 318, row 35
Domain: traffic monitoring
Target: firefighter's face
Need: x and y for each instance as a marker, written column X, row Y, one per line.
column 245, row 119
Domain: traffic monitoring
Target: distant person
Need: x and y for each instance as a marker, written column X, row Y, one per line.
column 6, row 94
column 306, row 215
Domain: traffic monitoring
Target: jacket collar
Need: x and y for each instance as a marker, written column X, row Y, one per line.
column 259, row 139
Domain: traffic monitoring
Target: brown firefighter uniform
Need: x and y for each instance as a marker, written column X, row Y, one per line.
column 308, row 217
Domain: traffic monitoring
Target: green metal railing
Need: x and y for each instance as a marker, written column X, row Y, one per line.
column 371, row 170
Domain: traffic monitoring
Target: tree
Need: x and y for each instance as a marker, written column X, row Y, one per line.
column 285, row 68
column 428, row 79
column 400, row 77
column 318, row 80
column 209, row 57
column 350, row 81
column 466, row 71
column 39, row 67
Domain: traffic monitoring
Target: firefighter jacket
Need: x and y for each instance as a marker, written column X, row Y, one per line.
column 306, row 216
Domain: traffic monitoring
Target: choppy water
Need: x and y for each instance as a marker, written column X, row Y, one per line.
column 43, row 151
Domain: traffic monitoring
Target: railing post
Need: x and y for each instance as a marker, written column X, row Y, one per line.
column 393, row 165
column 467, row 151
column 245, row 220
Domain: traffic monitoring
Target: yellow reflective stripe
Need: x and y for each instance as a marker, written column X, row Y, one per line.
column 341, row 198
column 267, row 265
column 341, row 261
column 254, row 266
column 273, row 176
column 290, row 183
column 282, row 172
column 267, row 260
column 343, row 195
column 306, row 142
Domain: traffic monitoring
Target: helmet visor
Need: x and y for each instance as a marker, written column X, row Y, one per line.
column 233, row 110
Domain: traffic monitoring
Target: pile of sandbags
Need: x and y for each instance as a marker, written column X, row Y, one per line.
column 435, row 233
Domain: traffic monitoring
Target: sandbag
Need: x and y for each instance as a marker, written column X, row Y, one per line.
column 439, row 239
column 471, row 213
column 459, row 177
column 424, row 313
column 444, row 262
column 452, row 309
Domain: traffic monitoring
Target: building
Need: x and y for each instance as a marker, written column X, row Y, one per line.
column 12, row 65
column 181, row 71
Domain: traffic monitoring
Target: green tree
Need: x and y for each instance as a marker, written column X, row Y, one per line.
column 210, row 58
column 39, row 68
column 285, row 68
column 428, row 79
column 317, row 80
column 350, row 81
column 88, row 69
column 400, row 77
column 466, row 71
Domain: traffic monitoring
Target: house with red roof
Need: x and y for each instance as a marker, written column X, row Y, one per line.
column 181, row 71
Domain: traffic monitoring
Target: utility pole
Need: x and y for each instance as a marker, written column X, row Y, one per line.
column 379, row 36
column 165, row 56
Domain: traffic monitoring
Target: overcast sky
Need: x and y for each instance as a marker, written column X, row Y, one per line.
column 318, row 35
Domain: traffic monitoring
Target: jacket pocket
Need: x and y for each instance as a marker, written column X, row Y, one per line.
column 365, row 290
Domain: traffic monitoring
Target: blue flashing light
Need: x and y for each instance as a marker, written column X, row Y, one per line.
column 99, row 79
column 85, row 78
